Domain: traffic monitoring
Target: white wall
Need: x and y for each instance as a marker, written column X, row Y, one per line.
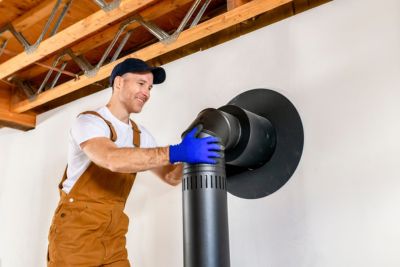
column 339, row 64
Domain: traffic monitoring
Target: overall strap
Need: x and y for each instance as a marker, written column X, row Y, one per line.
column 136, row 134
column 113, row 137
column 113, row 134
column 64, row 177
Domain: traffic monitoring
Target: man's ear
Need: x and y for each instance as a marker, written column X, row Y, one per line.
column 118, row 82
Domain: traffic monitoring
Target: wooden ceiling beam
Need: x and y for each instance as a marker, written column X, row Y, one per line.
column 11, row 9
column 23, row 121
column 218, row 23
column 300, row 5
column 31, row 17
column 231, row 4
column 71, row 34
column 149, row 14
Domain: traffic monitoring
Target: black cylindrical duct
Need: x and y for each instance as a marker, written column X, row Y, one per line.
column 262, row 134
column 205, row 215
column 257, row 139
column 249, row 141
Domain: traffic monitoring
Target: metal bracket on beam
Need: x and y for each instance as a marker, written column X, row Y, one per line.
column 26, row 87
column 93, row 71
column 55, row 80
column 165, row 37
column 53, row 67
column 87, row 68
column 3, row 46
column 21, row 38
column 85, row 65
column 62, row 15
column 107, row 6
column 200, row 14
column 121, row 45
column 30, row 91
column 80, row 60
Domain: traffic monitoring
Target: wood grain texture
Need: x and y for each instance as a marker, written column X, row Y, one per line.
column 71, row 34
column 204, row 29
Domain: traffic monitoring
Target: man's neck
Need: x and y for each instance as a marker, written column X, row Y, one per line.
column 118, row 112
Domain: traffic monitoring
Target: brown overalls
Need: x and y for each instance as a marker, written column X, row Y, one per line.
column 89, row 225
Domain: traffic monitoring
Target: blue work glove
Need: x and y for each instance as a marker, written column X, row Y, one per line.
column 195, row 150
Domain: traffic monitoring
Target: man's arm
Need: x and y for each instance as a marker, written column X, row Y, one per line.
column 171, row 174
column 103, row 152
column 106, row 154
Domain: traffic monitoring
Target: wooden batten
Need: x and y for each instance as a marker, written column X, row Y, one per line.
column 300, row 5
column 207, row 28
column 149, row 14
column 231, row 4
column 22, row 121
column 70, row 35
column 31, row 17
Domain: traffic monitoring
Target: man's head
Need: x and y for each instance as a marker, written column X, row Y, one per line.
column 135, row 65
column 132, row 81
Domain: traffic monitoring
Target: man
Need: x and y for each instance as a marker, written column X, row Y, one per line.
column 106, row 150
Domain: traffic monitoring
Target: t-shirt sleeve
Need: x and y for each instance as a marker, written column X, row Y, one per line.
column 146, row 139
column 88, row 126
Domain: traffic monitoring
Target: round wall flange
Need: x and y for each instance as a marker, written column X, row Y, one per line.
column 268, row 178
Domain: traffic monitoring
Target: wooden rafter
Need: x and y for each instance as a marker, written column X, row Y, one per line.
column 221, row 22
column 300, row 5
column 11, row 9
column 220, row 25
column 31, row 17
column 71, row 34
column 108, row 34
column 23, row 121
column 231, row 4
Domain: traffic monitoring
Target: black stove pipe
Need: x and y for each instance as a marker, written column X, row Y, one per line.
column 249, row 141
column 205, row 216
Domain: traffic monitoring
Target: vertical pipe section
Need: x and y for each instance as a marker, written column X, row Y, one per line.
column 205, row 215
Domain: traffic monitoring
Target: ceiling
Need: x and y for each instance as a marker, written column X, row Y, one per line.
column 53, row 52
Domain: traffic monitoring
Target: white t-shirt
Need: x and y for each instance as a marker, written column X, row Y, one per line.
column 88, row 126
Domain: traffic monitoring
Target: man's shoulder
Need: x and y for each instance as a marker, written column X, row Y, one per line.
column 92, row 115
column 87, row 119
column 87, row 126
column 101, row 111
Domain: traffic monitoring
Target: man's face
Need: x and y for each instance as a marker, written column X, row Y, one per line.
column 134, row 90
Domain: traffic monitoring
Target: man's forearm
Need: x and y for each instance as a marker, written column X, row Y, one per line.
column 171, row 174
column 174, row 177
column 131, row 160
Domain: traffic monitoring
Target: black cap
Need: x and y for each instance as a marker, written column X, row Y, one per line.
column 135, row 65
